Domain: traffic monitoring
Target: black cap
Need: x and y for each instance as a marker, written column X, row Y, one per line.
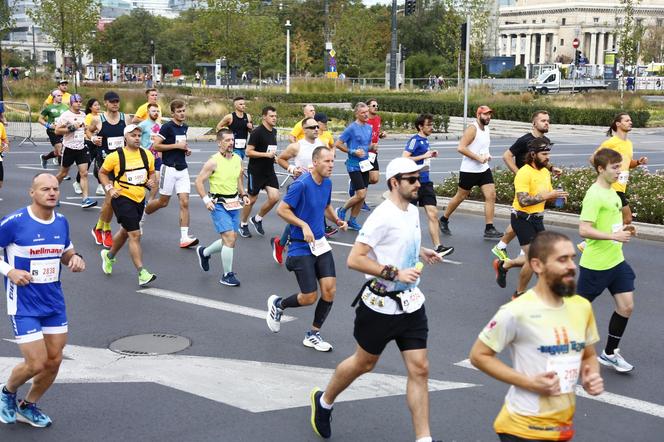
column 111, row 96
column 539, row 145
column 320, row 117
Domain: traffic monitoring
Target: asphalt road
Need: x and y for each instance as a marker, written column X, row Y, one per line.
column 238, row 381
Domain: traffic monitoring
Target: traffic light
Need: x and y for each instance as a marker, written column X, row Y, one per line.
column 464, row 31
column 411, row 5
column 577, row 57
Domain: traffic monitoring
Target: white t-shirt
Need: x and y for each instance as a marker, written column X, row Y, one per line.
column 72, row 140
column 394, row 237
column 479, row 146
column 303, row 157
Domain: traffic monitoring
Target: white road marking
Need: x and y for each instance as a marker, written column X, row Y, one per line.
column 445, row 260
column 98, row 207
column 211, row 303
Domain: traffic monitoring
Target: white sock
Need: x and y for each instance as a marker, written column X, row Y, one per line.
column 325, row 404
column 184, row 232
column 258, row 218
column 501, row 245
column 425, row 439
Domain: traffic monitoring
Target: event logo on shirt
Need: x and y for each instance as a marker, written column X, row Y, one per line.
column 563, row 344
column 42, row 251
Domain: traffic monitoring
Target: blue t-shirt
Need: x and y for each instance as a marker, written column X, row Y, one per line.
column 148, row 127
column 356, row 136
column 171, row 133
column 417, row 146
column 308, row 201
column 35, row 246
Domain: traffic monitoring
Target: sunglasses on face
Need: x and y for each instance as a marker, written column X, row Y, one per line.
column 410, row 179
column 114, row 101
column 312, row 127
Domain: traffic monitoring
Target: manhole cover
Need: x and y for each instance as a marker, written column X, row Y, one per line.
column 150, row 344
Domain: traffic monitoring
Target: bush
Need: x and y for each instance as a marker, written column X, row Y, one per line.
column 645, row 191
column 389, row 120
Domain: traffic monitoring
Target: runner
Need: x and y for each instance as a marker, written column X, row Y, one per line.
column 171, row 141
column 387, row 250
column 35, row 301
column 149, row 134
column 324, row 135
column 63, row 87
column 307, row 201
column 71, row 126
column 602, row 264
column 532, row 188
column 355, row 141
column 4, row 148
column 224, row 172
column 142, row 111
column 417, row 149
column 262, row 151
column 240, row 123
column 550, row 333
column 47, row 117
column 308, row 110
column 515, row 158
column 106, row 131
column 133, row 169
column 475, row 171
column 300, row 152
column 92, row 109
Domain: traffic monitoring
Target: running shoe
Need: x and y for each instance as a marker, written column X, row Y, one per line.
column 277, row 250
column 442, row 251
column 501, row 273
column 341, row 213
column 329, row 231
column 7, row 407
column 77, row 188
column 187, row 242
column 365, row 208
column 98, row 235
column 516, row 294
column 351, row 190
column 55, row 161
column 320, row 417
column 273, row 317
column 314, row 340
column 32, row 415
column 108, row 239
column 88, row 202
column 44, row 161
column 244, row 232
column 581, row 246
column 145, row 277
column 616, row 361
column 106, row 262
column 445, row 226
column 203, row 261
column 492, row 233
column 229, row 279
column 258, row 225
column 353, row 224
column 67, row 178
column 500, row 253
column 100, row 190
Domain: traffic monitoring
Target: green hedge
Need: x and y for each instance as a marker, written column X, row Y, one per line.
column 645, row 191
column 389, row 120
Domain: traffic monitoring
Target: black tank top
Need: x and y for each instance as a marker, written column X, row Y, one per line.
column 239, row 126
column 109, row 130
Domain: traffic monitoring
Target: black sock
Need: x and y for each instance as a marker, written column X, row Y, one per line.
column 5, row 391
column 290, row 302
column 489, row 226
column 49, row 155
column 442, row 218
column 617, row 326
column 78, row 177
column 322, row 310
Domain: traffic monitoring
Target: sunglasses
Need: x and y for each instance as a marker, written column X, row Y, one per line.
column 312, row 127
column 114, row 101
column 410, row 179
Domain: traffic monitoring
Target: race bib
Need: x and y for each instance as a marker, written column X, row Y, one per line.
column 623, row 177
column 320, row 246
column 137, row 177
column 411, row 300
column 79, row 135
column 180, row 139
column 372, row 157
column 232, row 203
column 427, row 163
column 240, row 143
column 365, row 165
column 44, row 271
column 567, row 368
column 115, row 143
column 271, row 148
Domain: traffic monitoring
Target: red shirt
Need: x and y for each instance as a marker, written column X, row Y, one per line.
column 375, row 128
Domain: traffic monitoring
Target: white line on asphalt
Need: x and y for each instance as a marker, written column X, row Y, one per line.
column 79, row 205
column 34, row 168
column 210, row 303
column 445, row 260
column 94, row 197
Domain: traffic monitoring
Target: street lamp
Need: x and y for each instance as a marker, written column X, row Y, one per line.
column 288, row 26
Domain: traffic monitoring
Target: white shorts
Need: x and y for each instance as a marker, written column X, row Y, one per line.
column 171, row 179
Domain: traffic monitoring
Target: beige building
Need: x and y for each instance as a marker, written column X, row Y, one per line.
column 542, row 31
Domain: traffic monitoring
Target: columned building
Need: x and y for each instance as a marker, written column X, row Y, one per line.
column 542, row 31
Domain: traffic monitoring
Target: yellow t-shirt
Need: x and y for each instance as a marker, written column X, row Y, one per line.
column 142, row 112
column 624, row 148
column 139, row 176
column 88, row 119
column 3, row 136
column 65, row 99
column 541, row 339
column 533, row 181
column 297, row 131
column 327, row 139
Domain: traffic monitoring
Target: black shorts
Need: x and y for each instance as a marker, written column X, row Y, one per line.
column 359, row 180
column 375, row 164
column 309, row 269
column 373, row 330
column 128, row 212
column 623, row 199
column 468, row 180
column 71, row 156
column 526, row 229
column 2, row 171
column 258, row 182
column 618, row 279
column 504, row 437
column 426, row 195
column 53, row 138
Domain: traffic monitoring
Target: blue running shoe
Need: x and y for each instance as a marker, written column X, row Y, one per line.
column 351, row 189
column 203, row 261
column 341, row 213
column 244, row 231
column 230, row 280
column 365, row 208
column 320, row 417
column 353, row 224
column 7, row 407
column 32, row 415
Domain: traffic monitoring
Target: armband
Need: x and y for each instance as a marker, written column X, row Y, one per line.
column 207, row 200
column 389, row 273
column 108, row 187
column 5, row 268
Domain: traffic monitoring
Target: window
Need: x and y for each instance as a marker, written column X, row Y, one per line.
column 562, row 42
column 660, row 22
column 543, row 20
column 595, row 19
column 564, row 21
column 618, row 20
column 639, row 22
column 534, row 21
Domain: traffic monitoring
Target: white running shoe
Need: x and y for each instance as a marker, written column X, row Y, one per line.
column 273, row 317
column 616, row 361
column 316, row 341
column 77, row 188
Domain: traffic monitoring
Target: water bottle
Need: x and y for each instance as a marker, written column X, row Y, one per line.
column 560, row 202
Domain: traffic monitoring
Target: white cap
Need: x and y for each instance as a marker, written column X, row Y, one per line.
column 401, row 165
column 131, row 128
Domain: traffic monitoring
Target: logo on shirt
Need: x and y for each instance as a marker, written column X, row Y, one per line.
column 46, row 251
column 563, row 344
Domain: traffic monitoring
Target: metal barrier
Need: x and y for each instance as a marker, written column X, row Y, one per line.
column 19, row 121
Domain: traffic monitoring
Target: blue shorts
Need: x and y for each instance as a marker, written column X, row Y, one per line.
column 157, row 164
column 619, row 279
column 225, row 220
column 240, row 152
column 33, row 328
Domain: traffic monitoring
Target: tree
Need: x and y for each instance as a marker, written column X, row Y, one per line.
column 300, row 49
column 652, row 46
column 6, row 23
column 629, row 36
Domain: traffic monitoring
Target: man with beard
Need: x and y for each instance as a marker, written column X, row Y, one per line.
column 602, row 264
column 550, row 333
column 532, row 188
column 475, row 171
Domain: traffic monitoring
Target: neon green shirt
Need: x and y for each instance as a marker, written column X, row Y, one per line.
column 602, row 207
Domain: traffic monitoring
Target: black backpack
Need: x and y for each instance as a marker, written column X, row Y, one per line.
column 123, row 166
